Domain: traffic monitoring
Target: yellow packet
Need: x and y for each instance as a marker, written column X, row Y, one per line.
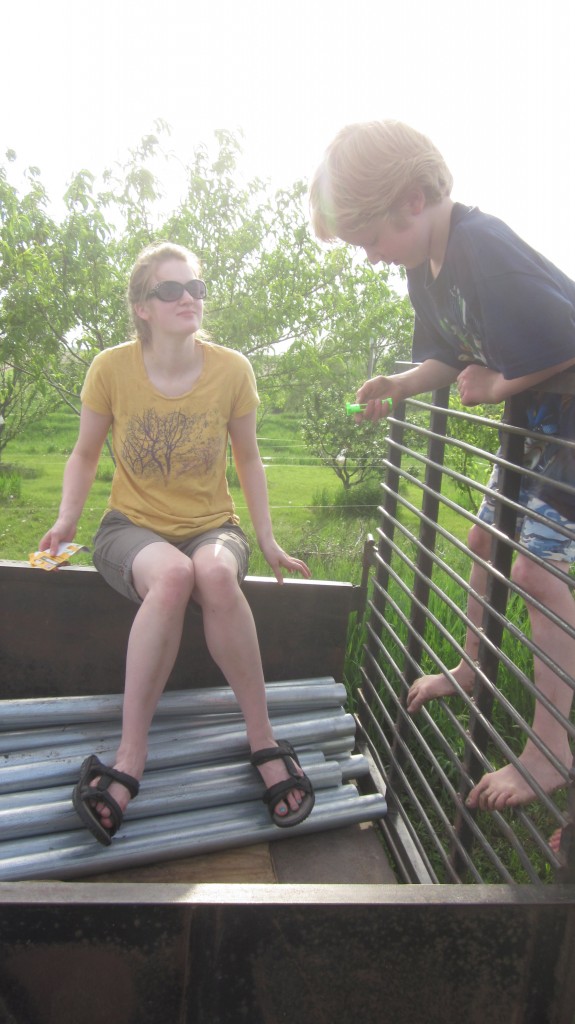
column 44, row 560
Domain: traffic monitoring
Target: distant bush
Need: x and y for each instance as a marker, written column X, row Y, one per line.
column 359, row 501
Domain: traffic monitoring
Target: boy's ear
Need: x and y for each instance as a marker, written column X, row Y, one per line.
column 415, row 201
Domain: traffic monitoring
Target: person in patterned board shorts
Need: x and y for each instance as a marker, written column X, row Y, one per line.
column 498, row 318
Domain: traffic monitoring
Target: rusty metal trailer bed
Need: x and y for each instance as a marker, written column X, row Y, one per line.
column 325, row 934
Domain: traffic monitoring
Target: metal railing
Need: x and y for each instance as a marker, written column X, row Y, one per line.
column 417, row 624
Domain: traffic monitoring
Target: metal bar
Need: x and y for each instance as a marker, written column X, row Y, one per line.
column 21, row 746
column 185, row 835
column 157, row 797
column 225, row 815
column 496, row 595
column 323, row 692
column 191, row 750
column 153, row 779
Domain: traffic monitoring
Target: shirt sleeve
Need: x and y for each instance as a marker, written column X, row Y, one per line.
column 95, row 393
column 246, row 397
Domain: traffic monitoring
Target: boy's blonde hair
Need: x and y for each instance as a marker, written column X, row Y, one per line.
column 142, row 277
column 367, row 173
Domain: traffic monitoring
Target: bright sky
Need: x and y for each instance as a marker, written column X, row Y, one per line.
column 491, row 81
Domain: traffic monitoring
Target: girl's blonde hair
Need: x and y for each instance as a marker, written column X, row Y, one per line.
column 143, row 271
column 367, row 173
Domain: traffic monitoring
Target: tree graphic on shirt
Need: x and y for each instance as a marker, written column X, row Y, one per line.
column 171, row 445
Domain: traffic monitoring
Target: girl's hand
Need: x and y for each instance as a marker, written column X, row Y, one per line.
column 62, row 532
column 277, row 559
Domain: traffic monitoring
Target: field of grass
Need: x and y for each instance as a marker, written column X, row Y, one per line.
column 303, row 498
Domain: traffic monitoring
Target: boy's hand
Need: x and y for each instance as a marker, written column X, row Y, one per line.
column 478, row 385
column 375, row 392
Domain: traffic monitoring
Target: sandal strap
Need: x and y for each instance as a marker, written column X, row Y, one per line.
column 279, row 790
column 93, row 767
column 113, row 775
column 284, row 752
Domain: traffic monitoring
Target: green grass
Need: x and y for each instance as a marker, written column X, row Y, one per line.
column 307, row 527
column 314, row 517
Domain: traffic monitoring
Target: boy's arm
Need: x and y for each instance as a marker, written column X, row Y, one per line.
column 478, row 385
column 426, row 376
column 252, row 477
column 78, row 478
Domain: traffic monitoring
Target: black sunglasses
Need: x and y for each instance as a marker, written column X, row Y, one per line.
column 171, row 291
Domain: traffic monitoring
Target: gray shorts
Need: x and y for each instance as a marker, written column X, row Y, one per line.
column 118, row 541
column 539, row 538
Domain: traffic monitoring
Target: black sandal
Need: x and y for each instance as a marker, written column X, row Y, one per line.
column 84, row 795
column 277, row 792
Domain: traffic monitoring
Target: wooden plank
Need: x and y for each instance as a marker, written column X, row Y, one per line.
column 250, row 865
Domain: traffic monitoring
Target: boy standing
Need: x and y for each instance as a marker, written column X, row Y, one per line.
column 499, row 319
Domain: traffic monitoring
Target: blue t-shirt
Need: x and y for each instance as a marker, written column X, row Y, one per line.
column 499, row 303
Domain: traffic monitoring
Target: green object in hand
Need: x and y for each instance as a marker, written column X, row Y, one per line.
column 352, row 407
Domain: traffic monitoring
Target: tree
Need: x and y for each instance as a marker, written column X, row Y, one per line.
column 354, row 452
column 292, row 306
column 369, row 328
column 25, row 236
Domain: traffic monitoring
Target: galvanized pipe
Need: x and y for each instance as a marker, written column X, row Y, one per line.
column 189, row 750
column 77, row 854
column 199, row 792
column 212, row 735
column 225, row 817
column 167, row 825
column 200, row 788
column 36, row 797
column 21, row 746
column 28, row 804
column 322, row 692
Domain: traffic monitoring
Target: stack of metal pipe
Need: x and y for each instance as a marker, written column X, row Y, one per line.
column 199, row 792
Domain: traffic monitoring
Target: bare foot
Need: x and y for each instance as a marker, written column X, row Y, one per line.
column 507, row 787
column 429, row 687
column 555, row 841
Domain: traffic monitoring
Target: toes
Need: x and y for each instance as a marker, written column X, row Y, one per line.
column 413, row 700
column 473, row 800
column 294, row 799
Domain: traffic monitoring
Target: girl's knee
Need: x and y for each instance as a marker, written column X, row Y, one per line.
column 217, row 582
column 174, row 583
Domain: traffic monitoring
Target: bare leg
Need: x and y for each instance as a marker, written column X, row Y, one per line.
column 164, row 578
column 232, row 641
column 506, row 787
column 429, row 687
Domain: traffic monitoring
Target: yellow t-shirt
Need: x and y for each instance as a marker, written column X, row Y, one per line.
column 171, row 452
